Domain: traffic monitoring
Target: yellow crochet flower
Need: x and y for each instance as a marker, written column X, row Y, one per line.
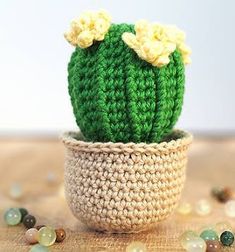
column 90, row 27
column 155, row 42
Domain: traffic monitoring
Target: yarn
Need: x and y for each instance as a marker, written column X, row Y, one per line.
column 117, row 187
column 118, row 97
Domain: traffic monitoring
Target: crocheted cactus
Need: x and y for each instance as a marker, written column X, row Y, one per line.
column 118, row 97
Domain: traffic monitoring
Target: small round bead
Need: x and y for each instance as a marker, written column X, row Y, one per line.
column 51, row 177
column 203, row 207
column 16, row 191
column 12, row 216
column 186, row 237
column 46, row 236
column 184, row 208
column 213, row 246
column 230, row 208
column 196, row 245
column 60, row 234
column 227, row 238
column 29, row 221
column 39, row 226
column 31, row 235
column 220, row 227
column 39, row 248
column 136, row 246
column 225, row 195
column 209, row 234
column 216, row 191
column 23, row 212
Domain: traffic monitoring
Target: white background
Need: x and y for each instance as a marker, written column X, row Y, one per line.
column 34, row 57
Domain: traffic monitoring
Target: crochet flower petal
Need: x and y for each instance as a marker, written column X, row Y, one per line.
column 90, row 27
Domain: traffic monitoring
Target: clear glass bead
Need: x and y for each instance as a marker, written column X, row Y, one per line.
column 16, row 191
column 196, row 245
column 186, row 237
column 203, row 207
column 229, row 208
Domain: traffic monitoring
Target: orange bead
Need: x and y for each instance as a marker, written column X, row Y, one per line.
column 60, row 234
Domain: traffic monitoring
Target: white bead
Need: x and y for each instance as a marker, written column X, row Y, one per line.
column 196, row 245
column 203, row 207
column 16, row 191
column 229, row 208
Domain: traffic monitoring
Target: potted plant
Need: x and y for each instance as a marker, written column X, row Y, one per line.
column 125, row 169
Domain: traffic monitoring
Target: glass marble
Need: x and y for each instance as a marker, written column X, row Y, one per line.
column 16, row 191
column 31, row 235
column 39, row 248
column 184, row 208
column 29, row 221
column 227, row 238
column 186, row 237
column 209, row 234
column 23, row 212
column 203, row 207
column 222, row 226
column 60, row 234
column 51, row 177
column 229, row 208
column 196, row 245
column 12, row 216
column 213, row 246
column 136, row 246
column 46, row 236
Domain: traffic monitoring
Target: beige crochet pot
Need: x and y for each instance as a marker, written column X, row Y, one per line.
column 116, row 187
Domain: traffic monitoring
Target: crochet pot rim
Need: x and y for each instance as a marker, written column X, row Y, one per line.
column 75, row 140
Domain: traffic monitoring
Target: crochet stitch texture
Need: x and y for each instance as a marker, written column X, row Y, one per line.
column 118, row 97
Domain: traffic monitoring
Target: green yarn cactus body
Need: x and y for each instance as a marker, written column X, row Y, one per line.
column 118, row 97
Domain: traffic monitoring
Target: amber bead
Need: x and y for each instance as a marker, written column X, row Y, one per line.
column 60, row 234
column 29, row 221
column 213, row 246
column 224, row 195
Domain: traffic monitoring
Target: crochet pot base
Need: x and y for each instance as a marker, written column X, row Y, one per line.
column 124, row 188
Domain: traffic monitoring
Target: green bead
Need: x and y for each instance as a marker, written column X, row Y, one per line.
column 227, row 238
column 46, row 236
column 12, row 216
column 23, row 212
column 39, row 248
column 209, row 234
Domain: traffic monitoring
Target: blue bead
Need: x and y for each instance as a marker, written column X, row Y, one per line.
column 39, row 248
